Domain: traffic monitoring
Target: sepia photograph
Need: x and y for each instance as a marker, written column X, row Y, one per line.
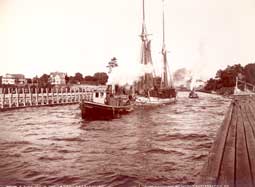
column 127, row 93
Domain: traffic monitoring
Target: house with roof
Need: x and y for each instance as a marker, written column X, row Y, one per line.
column 14, row 79
column 57, row 78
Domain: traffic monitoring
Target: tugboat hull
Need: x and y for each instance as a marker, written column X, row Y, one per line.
column 91, row 110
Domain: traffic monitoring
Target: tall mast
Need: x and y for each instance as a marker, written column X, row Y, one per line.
column 163, row 15
column 147, row 79
column 165, row 82
column 145, row 52
column 143, row 13
column 144, row 33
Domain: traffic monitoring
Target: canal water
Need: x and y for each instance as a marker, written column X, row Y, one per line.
column 161, row 146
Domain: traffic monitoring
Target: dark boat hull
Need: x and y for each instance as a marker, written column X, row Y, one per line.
column 91, row 110
column 193, row 96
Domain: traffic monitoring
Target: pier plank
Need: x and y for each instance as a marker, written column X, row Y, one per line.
column 227, row 170
column 243, row 172
column 251, row 139
column 210, row 172
column 232, row 158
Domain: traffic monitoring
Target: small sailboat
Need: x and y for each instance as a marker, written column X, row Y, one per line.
column 150, row 89
column 107, row 104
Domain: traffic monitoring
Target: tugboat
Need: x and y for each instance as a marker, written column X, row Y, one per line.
column 193, row 94
column 107, row 104
column 150, row 89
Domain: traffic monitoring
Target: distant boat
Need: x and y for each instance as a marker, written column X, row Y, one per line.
column 152, row 90
column 193, row 94
column 107, row 104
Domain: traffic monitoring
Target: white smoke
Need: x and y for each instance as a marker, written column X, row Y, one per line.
column 199, row 66
column 193, row 82
column 122, row 76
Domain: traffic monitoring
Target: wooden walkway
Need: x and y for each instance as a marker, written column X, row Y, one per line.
column 232, row 158
column 22, row 98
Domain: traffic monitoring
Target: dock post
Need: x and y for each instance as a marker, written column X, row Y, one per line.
column 72, row 95
column 61, row 95
column 24, row 97
column 51, row 95
column 67, row 95
column 3, row 98
column 2, row 94
column 17, row 97
column 57, row 96
column 36, row 96
column 47, row 96
column 30, row 96
column 9, row 98
column 42, row 96
column 75, row 95
column 79, row 95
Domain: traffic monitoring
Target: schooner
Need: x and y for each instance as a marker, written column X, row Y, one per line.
column 150, row 89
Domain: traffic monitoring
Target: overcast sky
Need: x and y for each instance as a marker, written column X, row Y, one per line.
column 42, row 36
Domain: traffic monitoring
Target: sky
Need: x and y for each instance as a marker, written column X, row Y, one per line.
column 43, row 36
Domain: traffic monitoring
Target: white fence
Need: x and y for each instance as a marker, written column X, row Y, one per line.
column 30, row 97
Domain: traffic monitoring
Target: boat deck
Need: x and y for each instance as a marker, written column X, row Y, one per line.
column 232, row 158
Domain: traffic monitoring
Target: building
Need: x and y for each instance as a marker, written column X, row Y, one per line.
column 14, row 79
column 57, row 78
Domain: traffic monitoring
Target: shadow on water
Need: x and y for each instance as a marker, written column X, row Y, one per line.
column 161, row 146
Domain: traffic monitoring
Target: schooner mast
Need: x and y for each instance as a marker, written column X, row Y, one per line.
column 146, row 59
column 166, row 74
column 145, row 56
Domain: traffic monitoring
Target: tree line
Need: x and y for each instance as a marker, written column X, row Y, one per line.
column 225, row 80
column 99, row 78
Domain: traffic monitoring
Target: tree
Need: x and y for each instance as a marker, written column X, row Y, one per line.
column 78, row 77
column 29, row 81
column 89, row 78
column 101, row 78
column 72, row 80
column 67, row 79
column 228, row 76
column 35, row 80
column 249, row 71
column 44, row 81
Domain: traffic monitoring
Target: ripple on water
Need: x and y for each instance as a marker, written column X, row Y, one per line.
column 159, row 146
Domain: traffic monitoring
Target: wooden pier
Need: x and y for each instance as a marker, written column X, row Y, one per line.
column 14, row 98
column 232, row 158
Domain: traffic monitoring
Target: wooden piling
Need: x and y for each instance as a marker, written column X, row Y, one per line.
column 3, row 99
column 57, row 95
column 17, row 97
column 47, row 96
column 36, row 97
column 30, row 96
column 24, row 97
